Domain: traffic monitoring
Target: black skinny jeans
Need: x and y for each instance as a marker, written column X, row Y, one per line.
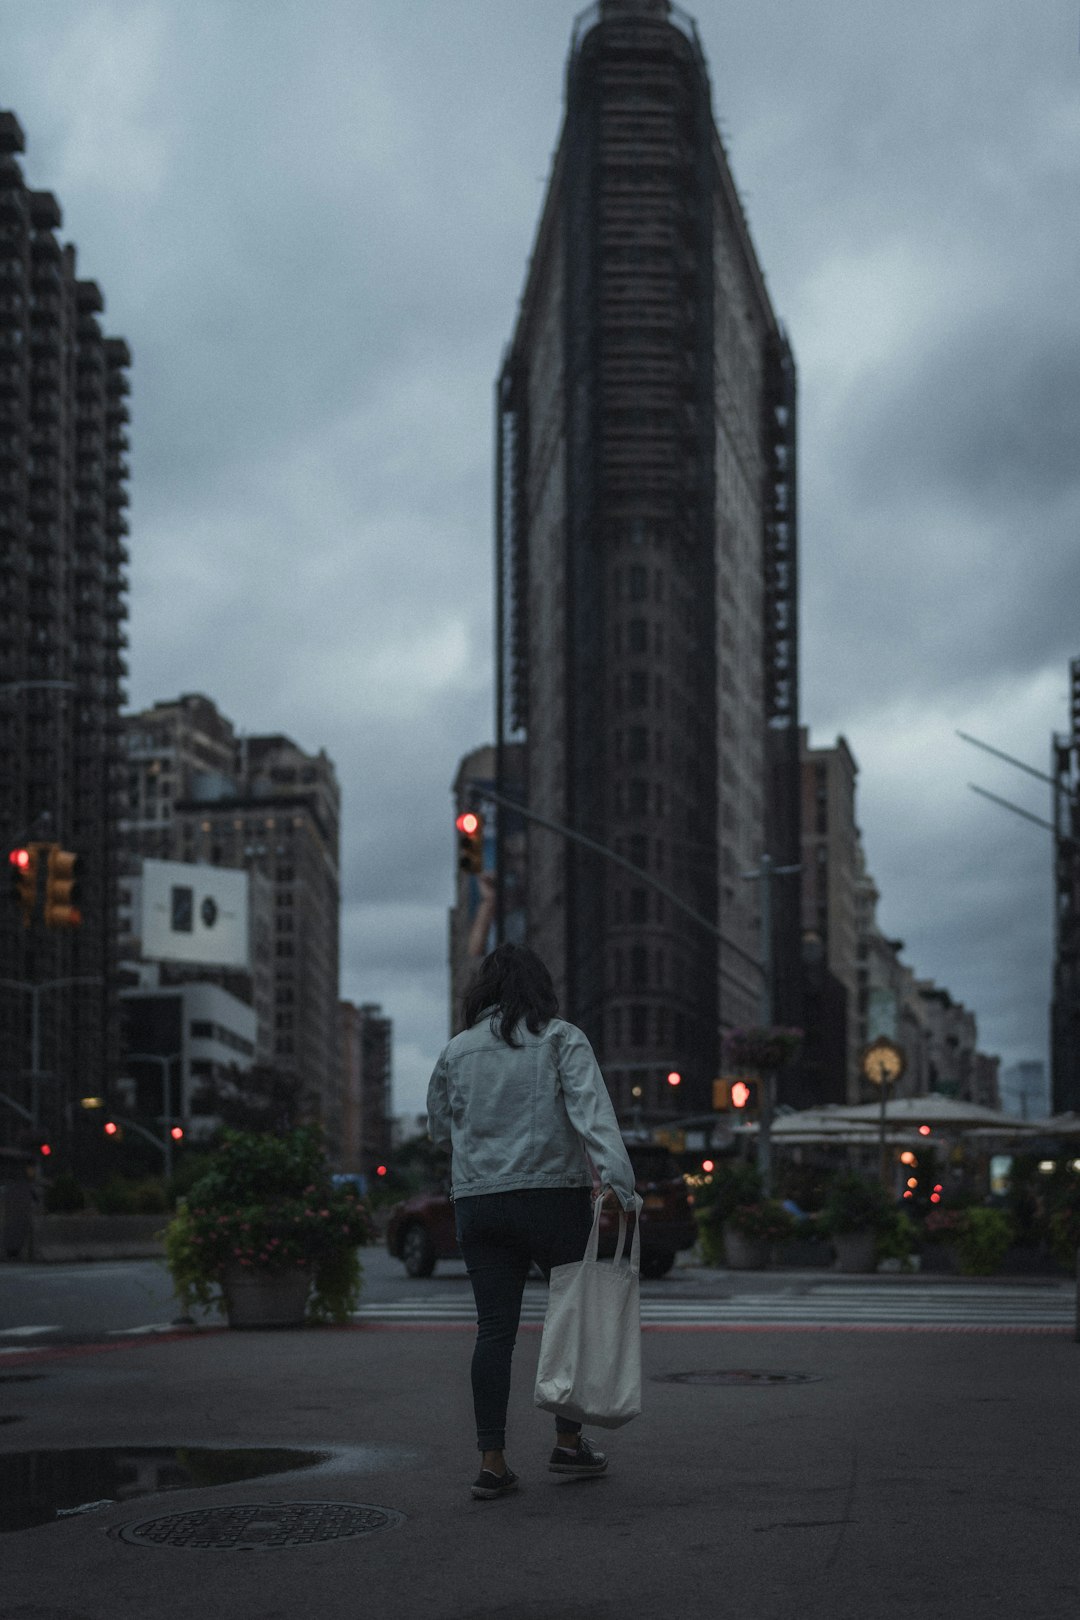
column 500, row 1235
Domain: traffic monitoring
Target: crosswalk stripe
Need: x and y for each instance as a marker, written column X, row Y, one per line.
column 981, row 1308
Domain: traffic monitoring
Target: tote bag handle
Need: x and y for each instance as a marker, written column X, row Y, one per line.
column 634, row 1257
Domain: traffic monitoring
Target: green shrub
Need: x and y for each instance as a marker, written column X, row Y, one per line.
column 710, row 1238
column 115, row 1197
column 766, row 1221
column 149, row 1197
column 733, row 1182
column 64, row 1195
column 855, row 1204
column 266, row 1203
column 1063, row 1224
column 899, row 1240
column 982, row 1238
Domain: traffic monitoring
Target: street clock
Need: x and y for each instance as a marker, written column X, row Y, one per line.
column 883, row 1061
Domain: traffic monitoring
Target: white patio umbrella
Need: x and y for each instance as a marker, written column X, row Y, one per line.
column 944, row 1112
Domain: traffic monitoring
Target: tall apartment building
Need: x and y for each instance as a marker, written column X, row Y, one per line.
column 181, row 749
column 367, row 1113
column 646, row 567
column 199, row 792
column 175, row 751
column 63, row 490
column 284, row 821
column 831, row 857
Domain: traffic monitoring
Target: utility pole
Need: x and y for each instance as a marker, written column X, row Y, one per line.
column 34, row 991
column 765, row 873
column 166, row 1144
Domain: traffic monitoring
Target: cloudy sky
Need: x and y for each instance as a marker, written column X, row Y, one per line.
column 311, row 220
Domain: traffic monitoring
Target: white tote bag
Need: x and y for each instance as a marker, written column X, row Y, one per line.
column 590, row 1352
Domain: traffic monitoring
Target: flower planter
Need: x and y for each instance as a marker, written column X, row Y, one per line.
column 258, row 1299
column 745, row 1253
column 855, row 1251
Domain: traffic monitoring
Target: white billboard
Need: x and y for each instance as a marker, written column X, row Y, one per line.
column 193, row 913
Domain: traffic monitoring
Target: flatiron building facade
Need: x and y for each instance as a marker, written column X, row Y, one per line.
column 646, row 565
column 63, row 549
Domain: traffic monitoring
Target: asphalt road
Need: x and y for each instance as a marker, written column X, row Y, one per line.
column 42, row 1305
column 773, row 1475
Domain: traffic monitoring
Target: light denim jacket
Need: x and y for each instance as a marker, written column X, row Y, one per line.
column 523, row 1116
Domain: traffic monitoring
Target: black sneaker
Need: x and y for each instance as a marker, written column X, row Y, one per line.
column 581, row 1460
column 486, row 1486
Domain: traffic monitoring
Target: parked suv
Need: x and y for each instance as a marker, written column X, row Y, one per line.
column 421, row 1230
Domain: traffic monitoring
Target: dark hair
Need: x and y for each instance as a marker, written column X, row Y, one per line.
column 515, row 982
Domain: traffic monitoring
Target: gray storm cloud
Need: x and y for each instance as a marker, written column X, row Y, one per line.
column 312, row 221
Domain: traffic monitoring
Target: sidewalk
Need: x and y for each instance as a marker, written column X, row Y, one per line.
column 908, row 1476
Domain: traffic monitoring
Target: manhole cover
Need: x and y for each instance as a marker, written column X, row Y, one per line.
column 738, row 1375
column 251, row 1526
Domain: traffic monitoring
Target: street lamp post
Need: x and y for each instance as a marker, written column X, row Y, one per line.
column 166, row 1143
column 883, row 1063
column 765, row 873
column 34, row 991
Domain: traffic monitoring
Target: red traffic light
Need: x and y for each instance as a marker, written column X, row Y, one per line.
column 110, row 1127
column 44, row 1149
column 674, row 1078
column 468, row 822
column 177, row 1133
column 380, row 1170
column 740, row 1094
column 924, row 1130
column 20, row 858
column 708, row 1166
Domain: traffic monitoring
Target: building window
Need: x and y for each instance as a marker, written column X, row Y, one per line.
column 638, row 906
column 636, row 635
column 638, row 583
column 638, row 1026
column 639, row 744
column 639, row 972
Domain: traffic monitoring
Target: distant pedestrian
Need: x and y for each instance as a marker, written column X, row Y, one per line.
column 519, row 1097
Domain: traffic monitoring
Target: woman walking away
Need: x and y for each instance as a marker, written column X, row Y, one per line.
column 519, row 1096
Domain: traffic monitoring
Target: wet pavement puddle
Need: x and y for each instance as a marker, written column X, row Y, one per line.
column 41, row 1487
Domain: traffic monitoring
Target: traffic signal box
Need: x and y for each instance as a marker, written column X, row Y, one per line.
column 61, row 878
column 23, row 865
column 470, row 830
column 60, row 881
column 739, row 1095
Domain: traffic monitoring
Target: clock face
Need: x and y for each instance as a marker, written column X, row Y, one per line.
column 883, row 1062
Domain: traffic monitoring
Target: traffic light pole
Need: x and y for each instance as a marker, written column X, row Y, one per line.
column 34, row 991
column 166, row 1063
column 486, row 792
column 148, row 1136
column 765, row 873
